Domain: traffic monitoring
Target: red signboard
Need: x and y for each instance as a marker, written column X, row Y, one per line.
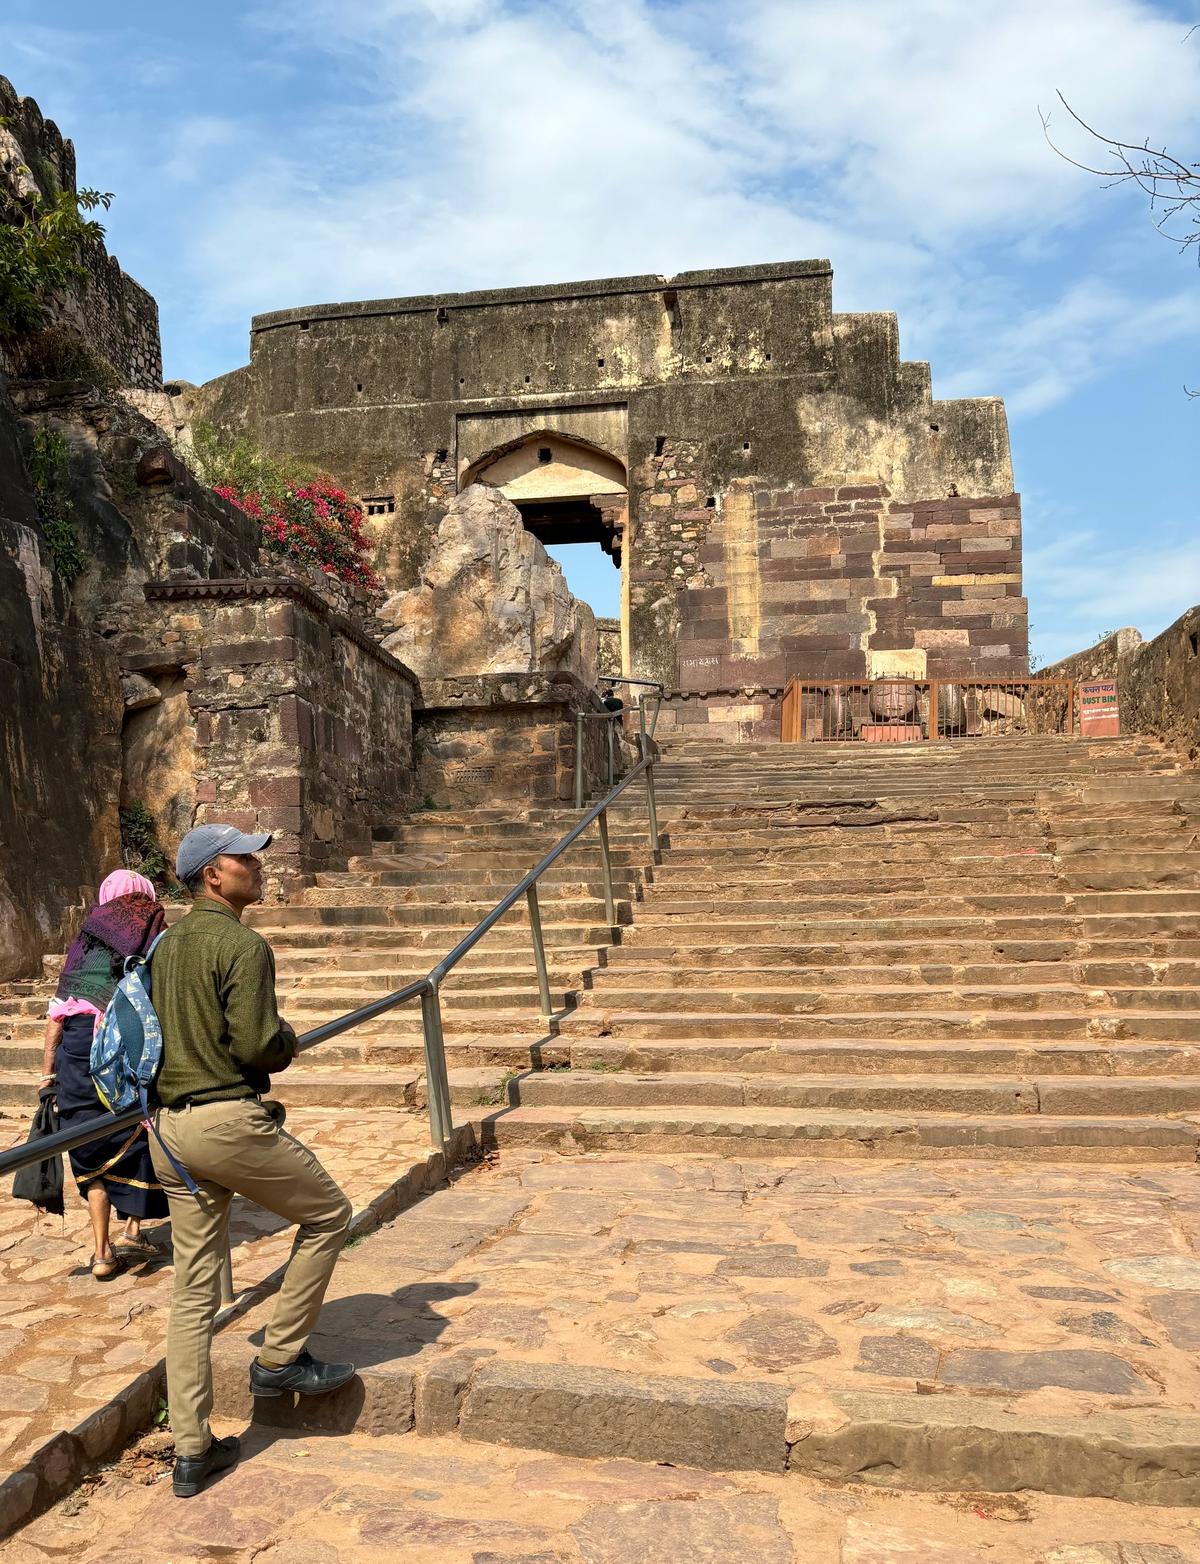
column 1099, row 710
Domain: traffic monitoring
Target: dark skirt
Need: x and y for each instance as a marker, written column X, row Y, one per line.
column 121, row 1162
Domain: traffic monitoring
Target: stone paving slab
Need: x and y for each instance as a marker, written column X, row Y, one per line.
column 307, row 1500
column 81, row 1362
column 1056, row 1295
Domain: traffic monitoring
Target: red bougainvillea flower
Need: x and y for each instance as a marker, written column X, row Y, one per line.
column 314, row 523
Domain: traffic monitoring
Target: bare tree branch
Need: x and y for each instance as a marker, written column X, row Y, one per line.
column 1173, row 187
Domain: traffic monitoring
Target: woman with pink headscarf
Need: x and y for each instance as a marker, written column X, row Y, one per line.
column 115, row 1172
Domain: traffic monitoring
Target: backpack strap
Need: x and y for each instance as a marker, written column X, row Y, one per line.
column 152, row 1129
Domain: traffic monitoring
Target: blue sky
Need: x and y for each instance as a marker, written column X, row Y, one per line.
column 270, row 153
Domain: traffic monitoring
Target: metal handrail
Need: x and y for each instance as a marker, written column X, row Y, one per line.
column 426, row 989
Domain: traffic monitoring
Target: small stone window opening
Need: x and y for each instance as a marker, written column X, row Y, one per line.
column 1194, row 643
column 526, row 379
column 660, row 442
column 745, row 445
column 443, row 315
column 711, row 502
column 768, row 358
column 380, row 504
column 304, row 325
column 599, row 363
column 442, row 455
column 461, row 381
column 545, row 454
column 708, row 358
column 934, row 427
column 358, row 387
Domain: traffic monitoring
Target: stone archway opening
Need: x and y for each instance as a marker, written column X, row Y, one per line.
column 570, row 494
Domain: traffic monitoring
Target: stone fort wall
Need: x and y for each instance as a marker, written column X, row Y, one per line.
column 735, row 401
column 108, row 310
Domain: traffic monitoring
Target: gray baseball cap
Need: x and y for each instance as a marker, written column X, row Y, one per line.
column 207, row 842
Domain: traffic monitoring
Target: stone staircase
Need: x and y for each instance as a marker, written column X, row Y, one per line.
column 357, row 935
column 987, row 949
column 983, row 949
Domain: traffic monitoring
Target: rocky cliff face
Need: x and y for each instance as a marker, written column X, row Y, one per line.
column 60, row 734
column 490, row 600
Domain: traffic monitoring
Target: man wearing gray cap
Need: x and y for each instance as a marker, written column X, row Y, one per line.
column 214, row 992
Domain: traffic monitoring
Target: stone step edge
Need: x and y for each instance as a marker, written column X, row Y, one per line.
column 58, row 1466
column 938, row 1443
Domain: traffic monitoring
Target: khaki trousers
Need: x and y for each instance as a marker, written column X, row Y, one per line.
column 238, row 1148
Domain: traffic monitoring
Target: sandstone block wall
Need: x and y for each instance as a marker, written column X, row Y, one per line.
column 108, row 310
column 497, row 737
column 702, row 389
column 1158, row 681
column 300, row 725
column 841, row 583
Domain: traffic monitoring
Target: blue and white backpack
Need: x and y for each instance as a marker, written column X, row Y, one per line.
column 127, row 1050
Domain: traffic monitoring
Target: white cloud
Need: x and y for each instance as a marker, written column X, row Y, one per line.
column 1080, row 585
column 1042, row 355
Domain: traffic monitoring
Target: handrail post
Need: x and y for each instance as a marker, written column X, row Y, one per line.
column 652, row 806
column 610, row 908
column 611, row 725
column 934, row 694
column 437, row 1085
column 539, row 950
column 579, row 760
column 642, row 723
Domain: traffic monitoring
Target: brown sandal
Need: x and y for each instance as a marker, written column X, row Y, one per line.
column 136, row 1249
column 106, row 1270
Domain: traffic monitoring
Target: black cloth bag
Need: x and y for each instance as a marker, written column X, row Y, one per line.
column 42, row 1183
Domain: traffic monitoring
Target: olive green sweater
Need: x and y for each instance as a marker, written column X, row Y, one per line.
column 213, row 987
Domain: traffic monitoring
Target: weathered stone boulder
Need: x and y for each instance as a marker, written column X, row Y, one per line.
column 490, row 600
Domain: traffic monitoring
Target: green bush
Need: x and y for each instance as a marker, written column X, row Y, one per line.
column 141, row 849
column 41, row 250
column 302, row 513
column 54, row 353
column 50, row 475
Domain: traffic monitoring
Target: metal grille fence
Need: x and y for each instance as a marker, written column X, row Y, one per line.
column 895, row 710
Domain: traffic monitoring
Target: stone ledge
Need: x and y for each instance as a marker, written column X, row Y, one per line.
column 715, row 1425
column 486, row 690
column 941, row 1443
column 231, row 589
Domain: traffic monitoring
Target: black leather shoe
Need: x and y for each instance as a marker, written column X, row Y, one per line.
column 307, row 1376
column 193, row 1471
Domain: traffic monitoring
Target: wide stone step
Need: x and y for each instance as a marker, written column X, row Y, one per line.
column 466, row 858
column 728, row 996
column 933, row 1026
column 853, row 1056
column 329, row 937
column 497, row 880
column 433, row 898
column 637, row 968
column 652, row 927
column 801, row 1132
column 370, row 982
column 398, row 914
column 661, row 902
column 1129, row 1097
